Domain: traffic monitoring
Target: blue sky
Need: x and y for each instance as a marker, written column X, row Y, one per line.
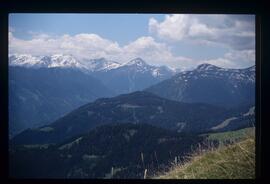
column 181, row 41
column 119, row 27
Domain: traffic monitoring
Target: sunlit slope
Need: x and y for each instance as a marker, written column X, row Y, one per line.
column 235, row 161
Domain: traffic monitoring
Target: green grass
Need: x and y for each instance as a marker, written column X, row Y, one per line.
column 231, row 136
column 235, row 161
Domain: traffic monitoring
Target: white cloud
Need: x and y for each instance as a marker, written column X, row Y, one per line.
column 198, row 29
column 82, row 46
column 90, row 46
column 153, row 52
column 221, row 62
column 174, row 27
column 234, row 59
column 233, row 31
column 244, row 57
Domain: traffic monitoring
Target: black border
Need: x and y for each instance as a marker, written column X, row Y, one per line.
column 144, row 6
column 132, row 6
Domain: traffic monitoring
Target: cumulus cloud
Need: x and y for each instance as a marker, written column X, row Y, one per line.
column 234, row 59
column 233, row 31
column 174, row 27
column 244, row 57
column 222, row 62
column 82, row 45
column 91, row 46
column 153, row 52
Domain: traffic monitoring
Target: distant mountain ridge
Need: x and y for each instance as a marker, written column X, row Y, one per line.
column 101, row 64
column 133, row 76
column 69, row 61
column 38, row 96
column 127, row 77
column 103, row 119
column 33, row 79
column 57, row 60
column 210, row 84
column 136, row 108
column 207, row 83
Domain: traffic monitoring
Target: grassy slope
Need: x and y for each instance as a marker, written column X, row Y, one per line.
column 236, row 161
column 232, row 136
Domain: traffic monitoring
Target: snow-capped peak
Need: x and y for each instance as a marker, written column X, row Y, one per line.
column 25, row 60
column 57, row 60
column 60, row 60
column 137, row 62
column 101, row 64
column 212, row 71
column 136, row 65
column 206, row 66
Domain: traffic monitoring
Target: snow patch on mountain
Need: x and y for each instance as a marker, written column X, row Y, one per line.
column 60, row 60
column 57, row 60
column 141, row 66
column 101, row 64
column 25, row 60
column 208, row 70
column 92, row 65
column 137, row 62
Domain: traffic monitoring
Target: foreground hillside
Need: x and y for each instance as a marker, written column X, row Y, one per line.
column 234, row 161
column 109, row 151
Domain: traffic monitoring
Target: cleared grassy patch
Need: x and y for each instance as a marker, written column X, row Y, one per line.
column 46, row 129
column 39, row 146
column 232, row 136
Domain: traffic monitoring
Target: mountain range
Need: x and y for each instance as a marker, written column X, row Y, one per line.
column 210, row 84
column 57, row 60
column 132, row 76
column 136, row 108
column 120, row 78
column 40, row 96
column 86, row 65
column 47, row 87
column 102, row 119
